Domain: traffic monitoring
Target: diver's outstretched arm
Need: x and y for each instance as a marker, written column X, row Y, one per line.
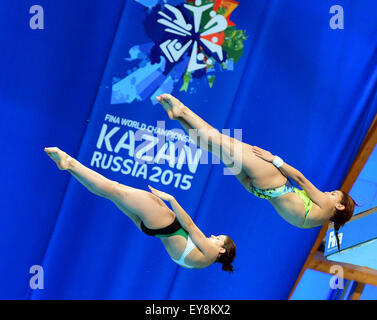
column 182, row 216
column 317, row 196
column 197, row 236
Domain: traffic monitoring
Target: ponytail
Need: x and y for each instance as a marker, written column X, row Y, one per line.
column 228, row 256
column 342, row 216
column 228, row 267
column 336, row 229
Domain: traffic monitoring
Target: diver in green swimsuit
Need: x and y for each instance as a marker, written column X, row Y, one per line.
column 183, row 240
column 264, row 174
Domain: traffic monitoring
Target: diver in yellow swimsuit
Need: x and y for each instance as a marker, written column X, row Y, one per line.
column 264, row 174
column 268, row 194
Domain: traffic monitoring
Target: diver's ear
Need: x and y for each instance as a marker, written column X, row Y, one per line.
column 222, row 250
column 340, row 206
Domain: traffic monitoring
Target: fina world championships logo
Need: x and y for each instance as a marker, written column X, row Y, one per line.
column 190, row 40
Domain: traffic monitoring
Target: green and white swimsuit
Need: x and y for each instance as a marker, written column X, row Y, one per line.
column 174, row 229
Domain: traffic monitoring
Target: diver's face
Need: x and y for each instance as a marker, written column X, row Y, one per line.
column 218, row 240
column 335, row 196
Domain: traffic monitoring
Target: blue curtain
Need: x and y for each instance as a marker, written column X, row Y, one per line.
column 87, row 82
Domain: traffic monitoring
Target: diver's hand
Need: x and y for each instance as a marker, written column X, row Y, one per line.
column 162, row 195
column 263, row 154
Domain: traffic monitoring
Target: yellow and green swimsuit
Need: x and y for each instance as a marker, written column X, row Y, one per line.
column 276, row 192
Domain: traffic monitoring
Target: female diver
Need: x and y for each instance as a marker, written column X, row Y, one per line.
column 183, row 240
column 265, row 175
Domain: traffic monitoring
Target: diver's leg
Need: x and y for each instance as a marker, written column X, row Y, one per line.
column 137, row 204
column 236, row 155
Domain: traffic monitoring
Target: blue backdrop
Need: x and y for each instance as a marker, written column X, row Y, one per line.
column 86, row 83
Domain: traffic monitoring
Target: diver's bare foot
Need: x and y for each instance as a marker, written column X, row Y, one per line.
column 172, row 105
column 61, row 159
